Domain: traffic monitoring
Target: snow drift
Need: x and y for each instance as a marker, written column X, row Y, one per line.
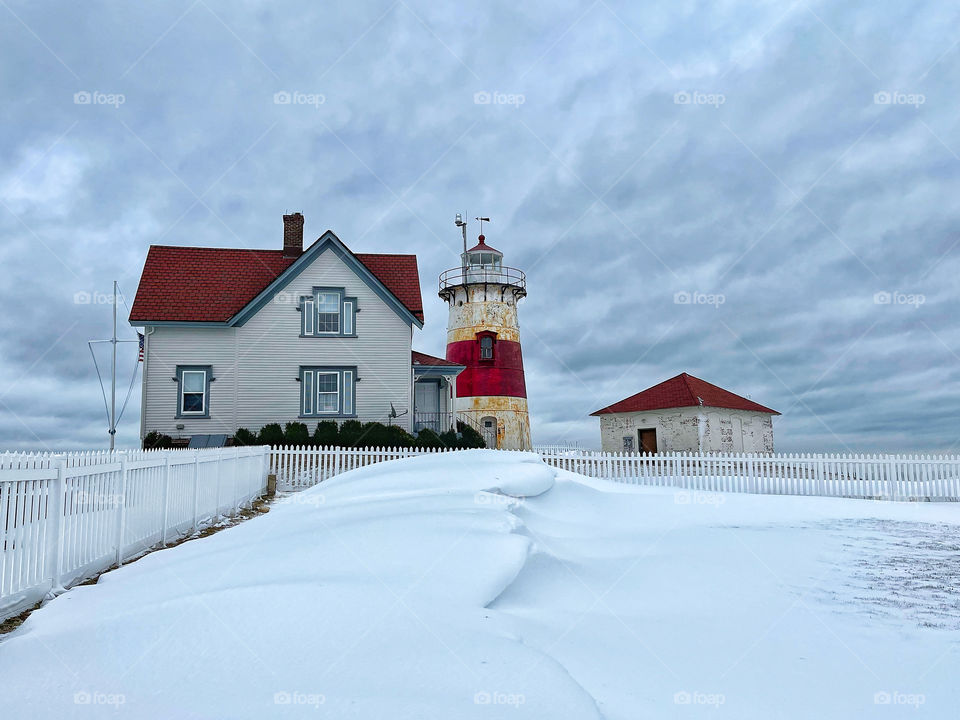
column 486, row 584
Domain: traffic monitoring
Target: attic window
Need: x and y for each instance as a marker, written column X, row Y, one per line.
column 328, row 313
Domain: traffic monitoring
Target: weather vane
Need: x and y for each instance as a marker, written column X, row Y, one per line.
column 482, row 221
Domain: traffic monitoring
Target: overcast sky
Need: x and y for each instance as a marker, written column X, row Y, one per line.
column 791, row 170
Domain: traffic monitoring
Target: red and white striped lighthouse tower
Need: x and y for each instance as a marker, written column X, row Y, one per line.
column 483, row 334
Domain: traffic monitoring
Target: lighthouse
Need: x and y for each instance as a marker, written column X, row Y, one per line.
column 483, row 335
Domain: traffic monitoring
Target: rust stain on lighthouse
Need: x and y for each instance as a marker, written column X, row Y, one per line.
column 483, row 334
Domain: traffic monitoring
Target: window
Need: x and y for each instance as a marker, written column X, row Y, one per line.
column 193, row 390
column 328, row 391
column 328, row 313
column 486, row 348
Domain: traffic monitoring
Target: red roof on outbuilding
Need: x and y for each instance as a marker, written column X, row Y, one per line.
column 683, row 391
column 192, row 284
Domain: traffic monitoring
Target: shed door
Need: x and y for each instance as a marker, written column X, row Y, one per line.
column 648, row 440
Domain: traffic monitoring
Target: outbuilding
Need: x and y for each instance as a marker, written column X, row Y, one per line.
column 686, row 414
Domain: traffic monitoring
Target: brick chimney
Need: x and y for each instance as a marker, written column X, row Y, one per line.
column 293, row 235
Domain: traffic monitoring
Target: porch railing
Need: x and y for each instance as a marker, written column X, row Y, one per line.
column 438, row 422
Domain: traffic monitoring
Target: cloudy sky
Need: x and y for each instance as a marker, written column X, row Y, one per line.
column 763, row 194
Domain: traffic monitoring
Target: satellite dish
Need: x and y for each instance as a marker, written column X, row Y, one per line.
column 395, row 414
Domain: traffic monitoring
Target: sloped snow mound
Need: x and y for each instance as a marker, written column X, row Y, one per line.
column 488, row 585
column 363, row 597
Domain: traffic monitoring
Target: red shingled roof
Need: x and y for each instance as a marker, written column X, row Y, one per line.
column 420, row 358
column 399, row 273
column 191, row 284
column 683, row 391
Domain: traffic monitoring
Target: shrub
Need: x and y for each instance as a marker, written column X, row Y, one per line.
column 449, row 439
column 244, row 437
column 427, row 438
column 271, row 434
column 350, row 433
column 157, row 440
column 469, row 437
column 374, row 434
column 326, row 434
column 398, row 437
column 296, row 433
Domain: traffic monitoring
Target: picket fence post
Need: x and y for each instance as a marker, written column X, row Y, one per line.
column 166, row 498
column 121, row 510
column 196, row 488
column 55, row 548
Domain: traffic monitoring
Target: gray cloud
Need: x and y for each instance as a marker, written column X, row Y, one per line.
column 798, row 198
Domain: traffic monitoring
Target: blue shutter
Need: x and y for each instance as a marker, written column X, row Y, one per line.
column 307, row 316
column 307, row 392
column 347, row 399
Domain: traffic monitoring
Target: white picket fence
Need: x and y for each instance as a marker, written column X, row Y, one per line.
column 66, row 517
column 881, row 477
column 877, row 477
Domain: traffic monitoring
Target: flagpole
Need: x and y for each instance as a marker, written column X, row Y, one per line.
column 113, row 374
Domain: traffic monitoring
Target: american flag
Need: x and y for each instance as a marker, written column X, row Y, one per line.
column 140, row 338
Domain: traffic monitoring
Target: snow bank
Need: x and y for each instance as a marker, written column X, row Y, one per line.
column 363, row 597
column 487, row 585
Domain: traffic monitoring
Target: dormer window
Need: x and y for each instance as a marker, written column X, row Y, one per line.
column 328, row 312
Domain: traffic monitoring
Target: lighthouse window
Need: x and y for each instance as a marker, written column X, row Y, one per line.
column 486, row 348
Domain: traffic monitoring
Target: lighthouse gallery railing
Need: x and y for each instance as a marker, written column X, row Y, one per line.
column 494, row 276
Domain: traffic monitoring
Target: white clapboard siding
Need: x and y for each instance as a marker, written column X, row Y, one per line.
column 66, row 517
column 256, row 366
column 880, row 477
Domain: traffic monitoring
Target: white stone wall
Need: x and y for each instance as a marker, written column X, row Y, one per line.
column 691, row 429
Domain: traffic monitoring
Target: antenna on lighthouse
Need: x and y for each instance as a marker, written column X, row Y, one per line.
column 462, row 224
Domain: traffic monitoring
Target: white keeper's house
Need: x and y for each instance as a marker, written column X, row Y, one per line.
column 245, row 337
column 686, row 414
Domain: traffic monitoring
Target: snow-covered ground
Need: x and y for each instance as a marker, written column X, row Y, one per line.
column 421, row 589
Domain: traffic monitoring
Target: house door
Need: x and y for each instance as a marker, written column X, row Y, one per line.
column 489, row 427
column 648, row 440
column 426, row 406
